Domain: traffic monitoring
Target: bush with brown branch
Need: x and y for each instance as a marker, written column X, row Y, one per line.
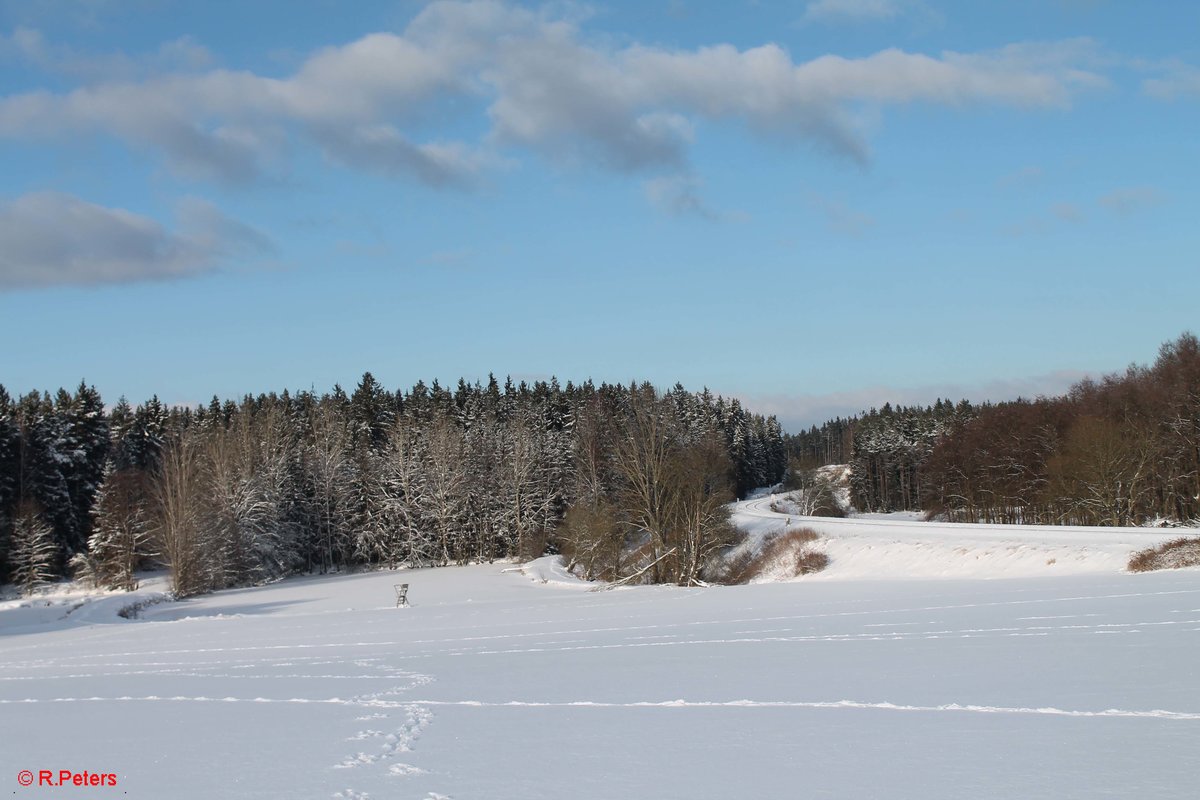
column 1175, row 554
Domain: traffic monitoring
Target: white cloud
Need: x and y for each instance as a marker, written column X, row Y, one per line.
column 31, row 47
column 1024, row 177
column 1131, row 199
column 462, row 257
column 1125, row 201
column 841, row 218
column 49, row 239
column 383, row 149
column 1179, row 80
column 1067, row 212
column 851, row 10
column 546, row 86
column 678, row 194
column 862, row 12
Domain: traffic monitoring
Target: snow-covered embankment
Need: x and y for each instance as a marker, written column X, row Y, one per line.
column 887, row 547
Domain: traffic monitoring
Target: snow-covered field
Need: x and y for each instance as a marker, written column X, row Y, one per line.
column 900, row 545
column 1069, row 679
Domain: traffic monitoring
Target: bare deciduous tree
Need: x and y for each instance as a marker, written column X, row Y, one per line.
column 177, row 529
column 699, row 486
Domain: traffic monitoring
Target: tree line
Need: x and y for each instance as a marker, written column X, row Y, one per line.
column 626, row 480
column 1122, row 450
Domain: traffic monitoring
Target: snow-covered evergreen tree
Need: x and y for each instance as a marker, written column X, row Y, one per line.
column 85, row 450
column 444, row 499
column 404, row 493
column 10, row 463
column 374, row 537
column 33, row 549
column 143, row 438
column 370, row 413
column 120, row 530
column 44, row 465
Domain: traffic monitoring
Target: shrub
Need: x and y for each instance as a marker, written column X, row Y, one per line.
column 795, row 537
column 829, row 508
column 788, row 553
column 1175, row 554
column 734, row 569
column 809, row 561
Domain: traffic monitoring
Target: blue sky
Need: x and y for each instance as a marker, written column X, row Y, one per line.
column 813, row 206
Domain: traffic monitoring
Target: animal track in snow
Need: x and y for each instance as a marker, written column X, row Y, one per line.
column 356, row 761
column 417, row 719
column 367, row 734
column 401, row 738
column 404, row 770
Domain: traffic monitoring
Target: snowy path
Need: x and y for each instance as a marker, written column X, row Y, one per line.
column 497, row 685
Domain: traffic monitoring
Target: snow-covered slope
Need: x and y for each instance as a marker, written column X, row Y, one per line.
column 883, row 547
column 501, row 682
column 68, row 605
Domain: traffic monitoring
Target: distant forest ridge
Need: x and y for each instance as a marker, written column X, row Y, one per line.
column 1123, row 450
column 237, row 493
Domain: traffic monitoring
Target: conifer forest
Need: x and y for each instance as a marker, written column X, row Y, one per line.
column 238, row 493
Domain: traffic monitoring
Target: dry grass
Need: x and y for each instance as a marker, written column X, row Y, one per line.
column 1175, row 554
column 789, row 548
column 809, row 561
column 795, row 537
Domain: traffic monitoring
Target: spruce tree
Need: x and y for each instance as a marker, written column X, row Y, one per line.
column 87, row 445
column 120, row 531
column 43, row 470
column 10, row 461
column 33, row 549
column 371, row 413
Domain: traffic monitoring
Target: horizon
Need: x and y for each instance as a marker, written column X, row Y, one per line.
column 755, row 405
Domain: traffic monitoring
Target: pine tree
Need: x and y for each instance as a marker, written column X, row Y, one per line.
column 33, row 549
column 43, row 469
column 120, row 530
column 404, row 481
column 87, row 444
column 371, row 413
column 445, row 495
column 373, row 536
column 10, row 463
column 143, row 440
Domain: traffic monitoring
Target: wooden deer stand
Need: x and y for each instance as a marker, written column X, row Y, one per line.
column 401, row 594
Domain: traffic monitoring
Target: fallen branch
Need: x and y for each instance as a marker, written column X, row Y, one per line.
column 638, row 574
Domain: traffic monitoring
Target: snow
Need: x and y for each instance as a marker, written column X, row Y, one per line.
column 1074, row 679
column 550, row 569
column 902, row 546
